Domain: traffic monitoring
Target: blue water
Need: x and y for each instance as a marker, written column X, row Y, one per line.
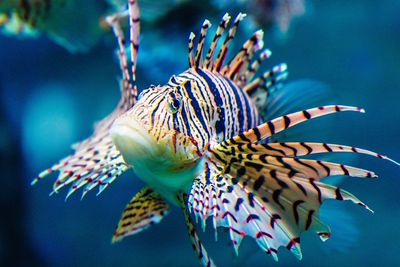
column 50, row 98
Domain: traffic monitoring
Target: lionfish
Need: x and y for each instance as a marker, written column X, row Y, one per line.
column 199, row 142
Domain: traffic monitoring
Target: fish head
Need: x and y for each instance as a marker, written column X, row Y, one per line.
column 151, row 137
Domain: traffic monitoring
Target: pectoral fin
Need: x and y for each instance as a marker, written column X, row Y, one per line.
column 145, row 209
column 266, row 190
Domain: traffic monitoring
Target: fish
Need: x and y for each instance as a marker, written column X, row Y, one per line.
column 204, row 142
column 73, row 24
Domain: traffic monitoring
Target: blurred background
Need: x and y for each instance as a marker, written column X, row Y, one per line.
column 57, row 78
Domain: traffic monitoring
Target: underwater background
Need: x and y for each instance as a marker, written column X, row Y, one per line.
column 51, row 97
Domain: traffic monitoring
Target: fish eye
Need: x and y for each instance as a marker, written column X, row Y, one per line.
column 174, row 102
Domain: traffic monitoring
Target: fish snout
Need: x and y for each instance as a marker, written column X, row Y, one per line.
column 132, row 139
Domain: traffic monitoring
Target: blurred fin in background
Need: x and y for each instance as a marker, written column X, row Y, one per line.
column 151, row 10
column 299, row 95
column 74, row 24
column 278, row 14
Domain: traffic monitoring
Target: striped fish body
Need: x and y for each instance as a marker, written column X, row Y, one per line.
column 173, row 124
column 216, row 108
column 197, row 141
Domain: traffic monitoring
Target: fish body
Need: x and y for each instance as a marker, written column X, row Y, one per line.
column 202, row 142
column 166, row 132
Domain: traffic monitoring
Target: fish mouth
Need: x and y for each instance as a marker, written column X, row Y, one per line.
column 168, row 165
column 172, row 153
column 133, row 141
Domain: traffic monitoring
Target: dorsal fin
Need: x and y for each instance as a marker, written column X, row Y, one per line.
column 134, row 25
column 228, row 39
column 241, row 68
column 221, row 28
column 129, row 88
column 198, row 60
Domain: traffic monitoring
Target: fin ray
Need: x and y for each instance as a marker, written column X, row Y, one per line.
column 96, row 161
column 146, row 208
column 197, row 245
column 277, row 125
column 265, row 191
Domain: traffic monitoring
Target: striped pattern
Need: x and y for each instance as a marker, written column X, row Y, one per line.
column 277, row 125
column 211, row 112
column 242, row 68
column 197, row 245
column 212, row 104
column 144, row 210
column 265, row 191
column 209, row 108
column 96, row 161
column 259, row 190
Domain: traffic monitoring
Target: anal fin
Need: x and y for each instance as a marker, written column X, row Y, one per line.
column 145, row 209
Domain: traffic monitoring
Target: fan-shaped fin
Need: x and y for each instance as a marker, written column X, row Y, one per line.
column 96, row 161
column 145, row 209
column 277, row 125
column 265, row 191
column 296, row 149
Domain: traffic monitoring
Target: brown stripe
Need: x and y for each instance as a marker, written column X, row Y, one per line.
column 309, row 219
